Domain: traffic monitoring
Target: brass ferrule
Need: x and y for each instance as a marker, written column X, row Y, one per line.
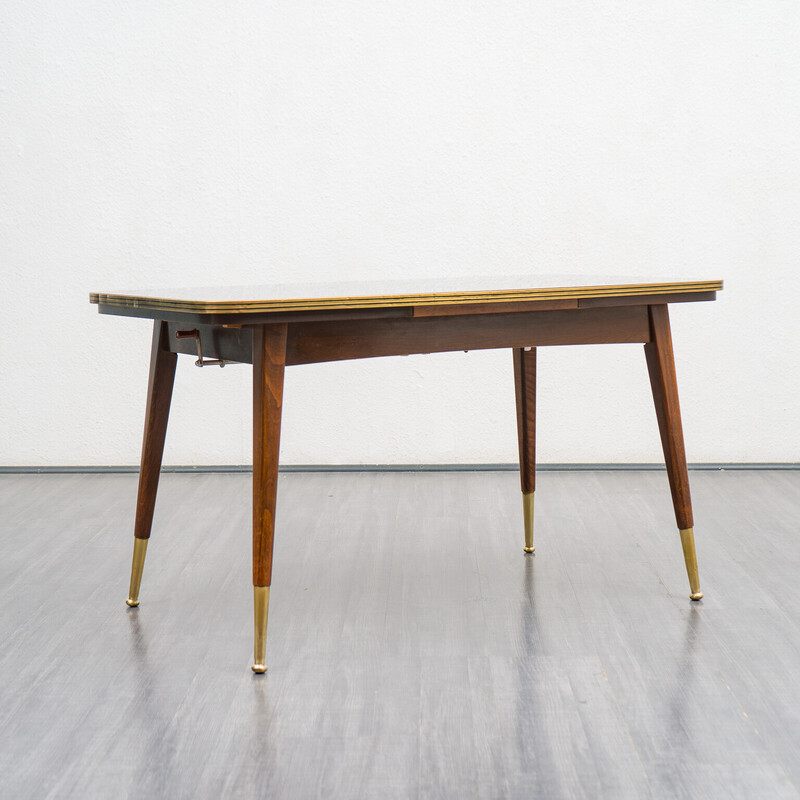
column 527, row 512
column 137, row 567
column 690, row 557
column 260, row 613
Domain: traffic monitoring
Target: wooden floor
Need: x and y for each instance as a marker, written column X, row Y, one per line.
column 413, row 650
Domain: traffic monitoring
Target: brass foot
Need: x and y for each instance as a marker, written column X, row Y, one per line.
column 527, row 512
column 139, row 552
column 690, row 557
column 260, row 612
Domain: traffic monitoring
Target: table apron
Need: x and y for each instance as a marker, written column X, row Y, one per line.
column 314, row 342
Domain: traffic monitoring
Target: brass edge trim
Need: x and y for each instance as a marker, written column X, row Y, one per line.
column 382, row 301
column 444, row 298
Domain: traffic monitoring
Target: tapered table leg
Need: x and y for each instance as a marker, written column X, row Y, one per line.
column 269, row 360
column 661, row 366
column 525, row 385
column 159, row 396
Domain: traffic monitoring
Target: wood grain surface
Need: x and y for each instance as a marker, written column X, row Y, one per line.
column 159, row 396
column 664, row 384
column 525, row 391
column 269, row 358
column 330, row 341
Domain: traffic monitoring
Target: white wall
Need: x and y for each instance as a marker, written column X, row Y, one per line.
column 196, row 143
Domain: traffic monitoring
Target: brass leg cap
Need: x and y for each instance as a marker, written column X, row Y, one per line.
column 527, row 510
column 137, row 566
column 260, row 608
column 689, row 555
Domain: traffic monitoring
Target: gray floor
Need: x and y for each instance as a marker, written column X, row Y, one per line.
column 413, row 650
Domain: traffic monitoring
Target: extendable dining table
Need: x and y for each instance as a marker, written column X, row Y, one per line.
column 272, row 327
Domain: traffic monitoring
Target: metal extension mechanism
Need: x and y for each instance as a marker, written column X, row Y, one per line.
column 201, row 362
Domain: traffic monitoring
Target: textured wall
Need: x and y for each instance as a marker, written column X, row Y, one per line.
column 198, row 144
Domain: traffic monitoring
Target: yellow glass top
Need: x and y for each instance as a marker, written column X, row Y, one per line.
column 387, row 294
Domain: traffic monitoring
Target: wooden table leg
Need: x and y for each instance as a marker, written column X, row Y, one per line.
column 269, row 360
column 661, row 366
column 525, row 385
column 159, row 395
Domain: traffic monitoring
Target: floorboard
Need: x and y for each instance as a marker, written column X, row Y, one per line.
column 413, row 649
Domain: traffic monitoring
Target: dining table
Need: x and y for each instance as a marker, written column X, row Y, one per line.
column 272, row 327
